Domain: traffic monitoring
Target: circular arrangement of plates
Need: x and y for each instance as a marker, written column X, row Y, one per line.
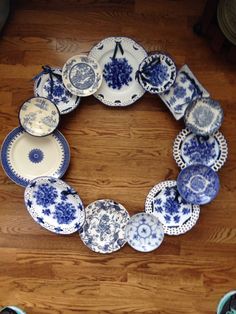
column 49, row 85
column 144, row 232
column 119, row 58
column 54, row 205
column 204, row 116
column 190, row 149
column 25, row 157
column 104, row 228
column 82, row 75
column 39, row 116
column 176, row 215
column 157, row 73
column 198, row 184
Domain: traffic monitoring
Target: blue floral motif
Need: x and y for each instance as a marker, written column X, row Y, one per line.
column 171, row 206
column 36, row 155
column 202, row 116
column 45, row 195
column 158, row 74
column 40, row 220
column 200, row 150
column 179, row 91
column 46, row 212
column 117, row 73
column 103, row 226
column 58, row 93
column 64, row 213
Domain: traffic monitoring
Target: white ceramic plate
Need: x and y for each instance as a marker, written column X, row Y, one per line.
column 25, row 157
column 119, row 58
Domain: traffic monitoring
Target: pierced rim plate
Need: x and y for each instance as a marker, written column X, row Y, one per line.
column 157, row 73
column 61, row 97
column 198, row 184
column 185, row 224
column 204, row 116
column 25, row 157
column 144, row 232
column 119, row 58
column 81, row 75
column 104, row 228
column 191, row 149
column 39, row 116
column 54, row 205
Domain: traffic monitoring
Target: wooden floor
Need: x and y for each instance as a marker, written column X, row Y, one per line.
column 119, row 154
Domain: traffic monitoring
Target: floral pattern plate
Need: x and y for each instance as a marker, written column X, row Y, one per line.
column 198, row 184
column 39, row 116
column 190, row 149
column 157, row 73
column 185, row 89
column 119, row 58
column 176, row 215
column 104, row 229
column 204, row 116
column 81, row 75
column 54, row 205
column 49, row 85
column 25, row 157
column 144, row 232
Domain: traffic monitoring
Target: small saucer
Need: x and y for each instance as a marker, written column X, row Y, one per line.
column 198, row 184
column 190, row 149
column 39, row 116
column 55, row 91
column 54, row 205
column 82, row 75
column 157, row 73
column 204, row 116
column 176, row 215
column 144, row 232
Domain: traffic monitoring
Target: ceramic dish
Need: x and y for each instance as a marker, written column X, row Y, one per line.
column 25, row 157
column 204, row 116
column 104, row 229
column 39, row 116
column 185, row 89
column 49, row 85
column 157, row 73
column 227, row 304
column 176, row 215
column 190, row 149
column 144, row 232
column 119, row 58
column 82, row 75
column 11, row 310
column 198, row 184
column 54, row 205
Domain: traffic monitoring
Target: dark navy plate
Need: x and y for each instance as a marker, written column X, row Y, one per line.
column 157, row 73
column 198, row 184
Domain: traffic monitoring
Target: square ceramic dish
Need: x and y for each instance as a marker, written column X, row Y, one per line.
column 185, row 89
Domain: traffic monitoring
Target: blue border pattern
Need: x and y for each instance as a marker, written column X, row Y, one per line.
column 5, row 160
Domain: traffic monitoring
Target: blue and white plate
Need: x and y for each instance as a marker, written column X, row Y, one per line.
column 144, row 232
column 82, row 75
column 54, row 205
column 204, row 116
column 104, row 229
column 157, row 73
column 198, row 184
column 176, row 215
column 39, row 116
column 49, row 85
column 25, row 157
column 185, row 89
column 119, row 58
column 190, row 149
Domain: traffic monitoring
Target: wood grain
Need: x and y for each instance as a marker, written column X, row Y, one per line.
column 118, row 154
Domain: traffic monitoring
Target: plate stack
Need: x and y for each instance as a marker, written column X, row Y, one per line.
column 226, row 16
